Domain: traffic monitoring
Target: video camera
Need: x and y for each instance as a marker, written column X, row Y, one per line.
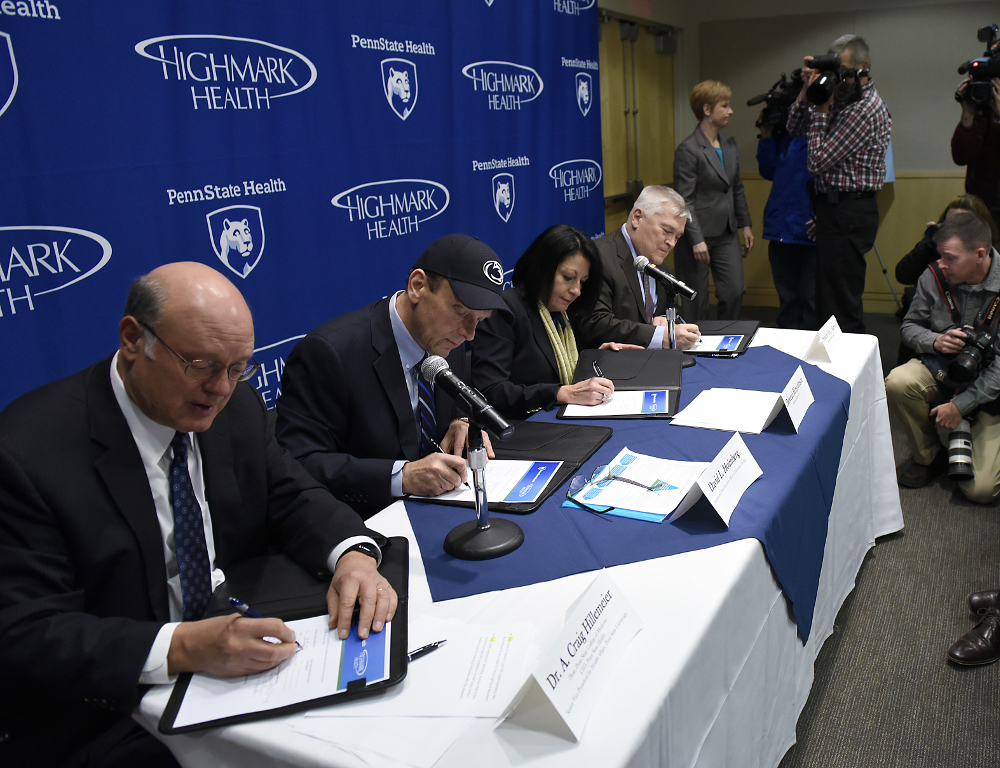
column 981, row 71
column 832, row 80
column 781, row 96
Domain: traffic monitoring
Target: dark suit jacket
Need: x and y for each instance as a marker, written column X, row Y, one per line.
column 513, row 363
column 620, row 313
column 81, row 557
column 344, row 410
column 714, row 193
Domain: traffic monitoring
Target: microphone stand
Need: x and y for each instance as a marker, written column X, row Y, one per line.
column 482, row 538
column 671, row 313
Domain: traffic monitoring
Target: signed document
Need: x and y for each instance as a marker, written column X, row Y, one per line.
column 325, row 665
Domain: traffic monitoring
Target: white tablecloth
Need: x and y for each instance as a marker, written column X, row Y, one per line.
column 718, row 676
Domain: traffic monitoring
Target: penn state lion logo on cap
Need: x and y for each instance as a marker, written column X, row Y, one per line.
column 584, row 92
column 503, row 195
column 8, row 72
column 494, row 271
column 237, row 234
column 399, row 80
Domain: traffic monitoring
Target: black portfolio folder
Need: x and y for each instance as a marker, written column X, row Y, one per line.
column 277, row 587
column 572, row 444
column 744, row 328
column 634, row 369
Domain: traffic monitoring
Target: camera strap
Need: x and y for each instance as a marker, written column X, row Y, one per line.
column 991, row 312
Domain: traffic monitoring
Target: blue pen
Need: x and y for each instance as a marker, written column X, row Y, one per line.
column 245, row 610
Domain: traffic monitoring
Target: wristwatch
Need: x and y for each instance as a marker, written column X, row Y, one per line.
column 364, row 548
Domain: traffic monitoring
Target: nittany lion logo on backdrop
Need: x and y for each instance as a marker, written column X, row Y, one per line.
column 8, row 72
column 399, row 79
column 584, row 92
column 503, row 195
column 237, row 234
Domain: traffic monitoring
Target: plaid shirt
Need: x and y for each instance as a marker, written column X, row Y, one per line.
column 847, row 144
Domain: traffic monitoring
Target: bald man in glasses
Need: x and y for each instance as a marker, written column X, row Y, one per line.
column 126, row 491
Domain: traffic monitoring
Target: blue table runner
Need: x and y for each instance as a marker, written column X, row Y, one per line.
column 787, row 509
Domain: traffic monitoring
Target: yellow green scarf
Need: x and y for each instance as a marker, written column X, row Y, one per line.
column 563, row 344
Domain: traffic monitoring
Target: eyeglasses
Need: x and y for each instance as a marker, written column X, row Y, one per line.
column 206, row 369
column 579, row 482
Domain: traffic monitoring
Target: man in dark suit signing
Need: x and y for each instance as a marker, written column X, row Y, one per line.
column 126, row 490
column 631, row 305
column 354, row 408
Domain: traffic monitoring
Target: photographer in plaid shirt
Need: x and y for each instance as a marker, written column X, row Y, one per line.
column 847, row 137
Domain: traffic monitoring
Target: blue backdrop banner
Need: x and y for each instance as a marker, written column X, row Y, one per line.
column 309, row 150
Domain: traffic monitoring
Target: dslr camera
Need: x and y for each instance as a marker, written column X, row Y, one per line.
column 981, row 71
column 777, row 101
column 981, row 345
column 833, row 80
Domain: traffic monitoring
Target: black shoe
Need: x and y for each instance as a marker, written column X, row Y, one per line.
column 981, row 644
column 980, row 601
column 913, row 475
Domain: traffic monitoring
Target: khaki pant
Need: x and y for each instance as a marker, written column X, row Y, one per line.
column 911, row 393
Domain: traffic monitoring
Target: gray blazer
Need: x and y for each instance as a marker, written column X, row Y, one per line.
column 714, row 193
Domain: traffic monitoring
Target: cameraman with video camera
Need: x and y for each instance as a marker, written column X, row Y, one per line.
column 953, row 324
column 976, row 141
column 847, row 126
column 788, row 217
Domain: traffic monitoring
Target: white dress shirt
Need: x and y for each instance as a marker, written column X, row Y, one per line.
column 153, row 441
column 657, row 341
column 410, row 355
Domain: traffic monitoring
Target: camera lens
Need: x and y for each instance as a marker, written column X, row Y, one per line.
column 964, row 367
column 960, row 452
column 822, row 88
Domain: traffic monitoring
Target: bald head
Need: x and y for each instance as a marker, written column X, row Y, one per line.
column 199, row 316
column 188, row 286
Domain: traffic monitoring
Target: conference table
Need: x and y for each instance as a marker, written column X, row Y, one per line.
column 717, row 677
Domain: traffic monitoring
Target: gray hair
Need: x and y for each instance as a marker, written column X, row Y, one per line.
column 653, row 198
column 145, row 301
column 856, row 46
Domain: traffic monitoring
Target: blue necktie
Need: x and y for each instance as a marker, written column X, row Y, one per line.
column 189, row 534
column 425, row 413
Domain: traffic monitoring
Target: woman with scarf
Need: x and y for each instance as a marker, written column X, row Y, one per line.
column 525, row 363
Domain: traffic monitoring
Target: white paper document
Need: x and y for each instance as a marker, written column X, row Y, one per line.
column 643, row 484
column 323, row 666
column 638, row 402
column 510, row 480
column 573, row 671
column 474, row 674
column 731, row 410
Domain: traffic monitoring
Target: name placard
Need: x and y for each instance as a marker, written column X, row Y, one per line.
column 569, row 676
column 825, row 341
column 797, row 397
column 728, row 476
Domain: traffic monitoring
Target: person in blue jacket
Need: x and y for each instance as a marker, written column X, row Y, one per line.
column 788, row 226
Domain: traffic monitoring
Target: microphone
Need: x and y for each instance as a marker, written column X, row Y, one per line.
column 641, row 262
column 436, row 370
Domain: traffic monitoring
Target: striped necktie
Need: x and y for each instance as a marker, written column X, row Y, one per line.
column 425, row 413
column 189, row 534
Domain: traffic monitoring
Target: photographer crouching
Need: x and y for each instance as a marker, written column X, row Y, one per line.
column 953, row 324
column 847, row 125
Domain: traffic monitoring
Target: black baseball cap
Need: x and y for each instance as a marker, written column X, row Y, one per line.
column 471, row 267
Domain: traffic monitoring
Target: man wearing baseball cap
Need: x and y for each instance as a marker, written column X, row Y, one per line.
column 354, row 409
